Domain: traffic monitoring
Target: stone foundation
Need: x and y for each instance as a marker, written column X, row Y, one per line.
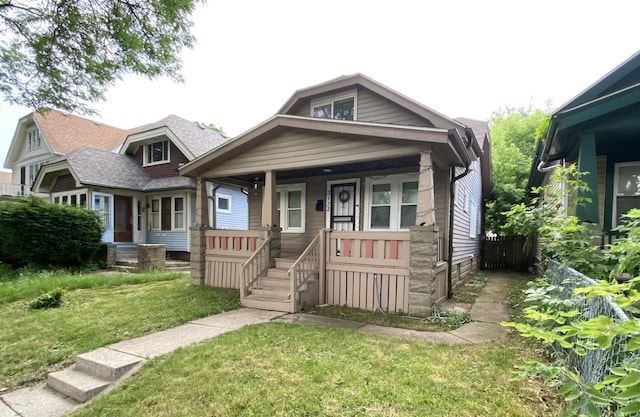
column 422, row 269
column 151, row 257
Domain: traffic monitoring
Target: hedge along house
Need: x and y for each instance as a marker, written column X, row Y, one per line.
column 598, row 130
column 350, row 189
column 138, row 190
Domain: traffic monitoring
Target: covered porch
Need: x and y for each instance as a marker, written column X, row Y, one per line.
column 355, row 219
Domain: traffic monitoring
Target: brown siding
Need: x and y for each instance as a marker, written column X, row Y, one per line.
column 312, row 149
column 170, row 169
column 304, row 110
column 375, row 108
column 64, row 183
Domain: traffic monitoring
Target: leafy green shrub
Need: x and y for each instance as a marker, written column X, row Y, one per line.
column 49, row 299
column 33, row 232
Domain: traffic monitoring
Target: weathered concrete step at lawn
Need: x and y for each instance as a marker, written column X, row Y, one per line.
column 106, row 363
column 76, row 384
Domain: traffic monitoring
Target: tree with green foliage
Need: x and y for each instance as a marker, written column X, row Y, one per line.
column 514, row 133
column 65, row 54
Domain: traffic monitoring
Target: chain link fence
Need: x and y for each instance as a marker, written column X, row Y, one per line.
column 595, row 364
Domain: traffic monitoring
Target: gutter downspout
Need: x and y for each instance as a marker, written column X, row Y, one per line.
column 454, row 179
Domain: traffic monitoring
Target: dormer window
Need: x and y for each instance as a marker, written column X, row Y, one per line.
column 337, row 107
column 157, row 152
column 34, row 140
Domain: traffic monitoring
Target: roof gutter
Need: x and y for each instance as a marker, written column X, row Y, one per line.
column 455, row 178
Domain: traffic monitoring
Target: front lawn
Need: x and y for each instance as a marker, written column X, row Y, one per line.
column 98, row 310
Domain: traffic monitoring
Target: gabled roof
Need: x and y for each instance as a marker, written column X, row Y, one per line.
column 481, row 131
column 479, row 127
column 437, row 119
column 192, row 138
column 64, row 132
column 99, row 168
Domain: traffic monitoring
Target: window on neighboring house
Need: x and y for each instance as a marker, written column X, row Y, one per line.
column 74, row 198
column 223, row 203
column 290, row 201
column 139, row 215
column 341, row 108
column 157, row 152
column 101, row 204
column 626, row 188
column 34, row 140
column 167, row 213
column 391, row 202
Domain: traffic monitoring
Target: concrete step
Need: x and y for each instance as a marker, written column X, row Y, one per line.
column 76, row 384
column 106, row 363
column 266, row 303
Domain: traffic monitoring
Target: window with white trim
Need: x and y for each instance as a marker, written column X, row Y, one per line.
column 391, row 202
column 290, row 201
column 473, row 220
column 626, row 189
column 337, row 107
column 156, row 153
column 167, row 213
column 102, row 205
column 34, row 139
column 73, row 198
column 33, row 171
column 223, row 203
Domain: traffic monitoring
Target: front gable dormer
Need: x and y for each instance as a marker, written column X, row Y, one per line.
column 359, row 98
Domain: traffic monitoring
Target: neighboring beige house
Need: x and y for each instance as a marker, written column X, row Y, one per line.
column 38, row 138
column 6, row 187
column 350, row 202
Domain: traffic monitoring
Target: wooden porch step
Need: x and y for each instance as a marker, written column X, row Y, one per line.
column 262, row 302
column 277, row 293
column 274, row 282
column 278, row 273
column 284, row 263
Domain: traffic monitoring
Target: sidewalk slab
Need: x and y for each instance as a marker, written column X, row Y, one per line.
column 39, row 402
column 495, row 290
column 433, row 337
column 476, row 332
column 160, row 343
column 490, row 312
column 6, row 411
column 236, row 319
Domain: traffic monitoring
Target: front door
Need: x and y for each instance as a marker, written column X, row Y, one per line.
column 343, row 210
column 122, row 218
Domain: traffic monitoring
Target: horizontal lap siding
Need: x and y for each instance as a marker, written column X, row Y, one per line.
column 175, row 241
column 311, row 149
column 466, row 250
column 239, row 215
column 375, row 108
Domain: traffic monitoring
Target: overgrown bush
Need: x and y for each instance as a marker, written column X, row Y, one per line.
column 49, row 299
column 33, row 232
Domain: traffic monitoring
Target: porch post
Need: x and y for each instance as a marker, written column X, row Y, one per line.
column 423, row 258
column 425, row 210
column 197, row 234
column 587, row 162
column 269, row 213
column 214, row 207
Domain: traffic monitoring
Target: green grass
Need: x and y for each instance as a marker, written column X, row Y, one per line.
column 280, row 369
column 106, row 309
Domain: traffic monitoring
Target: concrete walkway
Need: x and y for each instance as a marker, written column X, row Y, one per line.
column 487, row 312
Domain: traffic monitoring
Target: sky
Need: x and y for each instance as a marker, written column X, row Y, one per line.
column 461, row 58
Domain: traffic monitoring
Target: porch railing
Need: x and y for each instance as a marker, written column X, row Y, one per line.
column 226, row 252
column 255, row 267
column 304, row 269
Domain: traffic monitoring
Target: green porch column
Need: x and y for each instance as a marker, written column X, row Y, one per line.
column 588, row 212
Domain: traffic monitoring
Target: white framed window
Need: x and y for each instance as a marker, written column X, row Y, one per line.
column 167, row 213
column 73, row 198
column 473, row 220
column 33, row 171
column 102, row 203
column 291, row 203
column 223, row 203
column 34, row 139
column 337, row 107
column 156, row 153
column 626, row 189
column 391, row 202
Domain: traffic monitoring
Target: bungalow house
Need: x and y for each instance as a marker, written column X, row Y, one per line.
column 40, row 137
column 598, row 130
column 138, row 190
column 350, row 203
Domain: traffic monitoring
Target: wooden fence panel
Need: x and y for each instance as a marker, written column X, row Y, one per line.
column 505, row 252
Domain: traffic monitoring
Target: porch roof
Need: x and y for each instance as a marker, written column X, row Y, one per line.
column 406, row 139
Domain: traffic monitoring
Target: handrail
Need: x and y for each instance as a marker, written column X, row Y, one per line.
column 255, row 267
column 305, row 267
